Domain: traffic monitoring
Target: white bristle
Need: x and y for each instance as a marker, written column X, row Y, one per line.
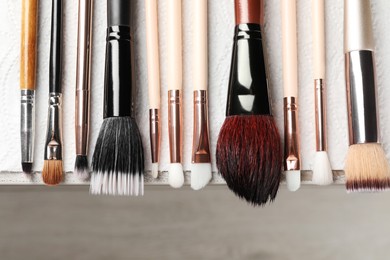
column 200, row 175
column 155, row 170
column 293, row 180
column 82, row 174
column 117, row 184
column 322, row 170
column 176, row 175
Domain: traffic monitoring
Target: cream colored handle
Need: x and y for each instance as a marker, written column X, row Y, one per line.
column 290, row 53
column 200, row 58
column 318, row 31
column 174, row 49
column 152, row 51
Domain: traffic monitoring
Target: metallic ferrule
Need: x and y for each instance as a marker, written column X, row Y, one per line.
column 175, row 125
column 155, row 134
column 200, row 144
column 53, row 144
column 291, row 135
column 320, row 114
column 27, row 124
column 82, row 121
column 361, row 97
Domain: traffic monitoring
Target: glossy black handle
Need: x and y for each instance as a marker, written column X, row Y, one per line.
column 119, row 74
column 248, row 88
column 55, row 66
column 118, row 12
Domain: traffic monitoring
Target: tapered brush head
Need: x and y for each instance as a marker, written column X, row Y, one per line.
column 52, row 172
column 27, row 167
column 81, row 168
column 118, row 159
column 200, row 175
column 366, row 168
column 249, row 157
column 322, row 170
column 176, row 175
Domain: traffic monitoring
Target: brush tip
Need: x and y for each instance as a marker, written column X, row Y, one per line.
column 81, row 167
column 293, row 180
column 200, row 175
column 52, row 172
column 27, row 167
column 155, row 170
column 322, row 170
column 176, row 175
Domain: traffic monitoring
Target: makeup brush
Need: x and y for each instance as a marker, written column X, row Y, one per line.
column 52, row 169
column 322, row 171
column 175, row 70
column 366, row 167
column 83, row 85
column 248, row 149
column 153, row 82
column 118, row 159
column 290, row 89
column 28, row 56
column 201, row 161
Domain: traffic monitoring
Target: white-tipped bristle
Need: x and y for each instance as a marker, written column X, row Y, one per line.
column 176, row 175
column 322, row 170
column 155, row 170
column 118, row 184
column 200, row 175
column 293, row 180
column 82, row 174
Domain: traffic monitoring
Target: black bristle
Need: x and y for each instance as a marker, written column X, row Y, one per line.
column 249, row 157
column 27, row 167
column 81, row 166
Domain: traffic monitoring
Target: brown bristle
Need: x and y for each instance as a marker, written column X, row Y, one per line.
column 249, row 157
column 52, row 172
column 368, row 185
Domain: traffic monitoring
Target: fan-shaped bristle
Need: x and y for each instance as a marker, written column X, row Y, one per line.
column 52, row 172
column 81, row 167
column 249, row 157
column 366, row 168
column 118, row 159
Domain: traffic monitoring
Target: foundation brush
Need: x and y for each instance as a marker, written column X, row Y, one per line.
column 322, row 171
column 248, row 152
column 52, row 169
column 28, row 56
column 83, row 84
column 201, row 161
column 118, row 159
column 153, row 82
column 366, row 167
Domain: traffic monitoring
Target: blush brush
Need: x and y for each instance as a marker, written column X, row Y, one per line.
column 248, row 152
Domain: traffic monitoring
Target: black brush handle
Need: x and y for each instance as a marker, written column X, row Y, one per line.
column 118, row 12
column 55, row 66
column 248, row 88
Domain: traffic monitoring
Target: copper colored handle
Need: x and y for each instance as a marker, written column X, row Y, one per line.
column 249, row 11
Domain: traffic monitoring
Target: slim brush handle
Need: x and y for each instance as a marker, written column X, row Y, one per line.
column 318, row 30
column 174, row 50
column 290, row 57
column 200, row 63
column 28, row 47
column 55, row 66
column 118, row 12
column 249, row 11
column 152, row 50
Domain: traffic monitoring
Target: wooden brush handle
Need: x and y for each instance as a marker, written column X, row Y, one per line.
column 249, row 11
column 55, row 66
column 318, row 31
column 174, row 49
column 200, row 63
column 28, row 48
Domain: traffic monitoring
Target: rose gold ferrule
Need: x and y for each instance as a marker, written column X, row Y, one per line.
column 175, row 125
column 200, row 143
column 82, row 121
column 291, row 135
column 155, row 134
column 320, row 114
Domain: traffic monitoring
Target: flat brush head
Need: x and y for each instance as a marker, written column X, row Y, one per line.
column 118, row 159
column 81, row 167
column 27, row 167
column 249, row 157
column 322, row 171
column 52, row 172
column 201, row 175
column 366, row 168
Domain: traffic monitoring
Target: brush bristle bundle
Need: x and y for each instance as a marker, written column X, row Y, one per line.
column 118, row 159
column 27, row 167
column 322, row 170
column 366, row 168
column 201, row 175
column 52, row 172
column 249, row 157
column 81, row 167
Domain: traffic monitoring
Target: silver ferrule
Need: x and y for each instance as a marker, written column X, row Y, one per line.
column 361, row 97
column 291, row 135
column 27, row 125
column 53, row 146
column 320, row 114
column 175, row 125
column 155, row 134
column 200, row 143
